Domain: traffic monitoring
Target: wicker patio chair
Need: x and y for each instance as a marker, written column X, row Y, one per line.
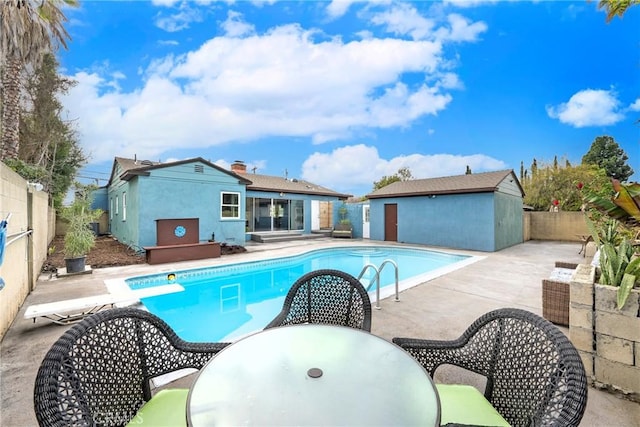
column 98, row 372
column 534, row 374
column 555, row 293
column 328, row 297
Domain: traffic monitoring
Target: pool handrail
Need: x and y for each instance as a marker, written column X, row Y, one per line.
column 376, row 279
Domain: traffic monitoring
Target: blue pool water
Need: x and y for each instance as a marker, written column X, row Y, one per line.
column 223, row 303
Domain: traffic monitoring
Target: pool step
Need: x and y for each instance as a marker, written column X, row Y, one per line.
column 284, row 237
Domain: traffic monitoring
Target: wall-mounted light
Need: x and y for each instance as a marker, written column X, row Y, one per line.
column 281, row 194
column 432, row 196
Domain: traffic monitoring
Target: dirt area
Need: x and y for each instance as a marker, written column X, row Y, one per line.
column 108, row 252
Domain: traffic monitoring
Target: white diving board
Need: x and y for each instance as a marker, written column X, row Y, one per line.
column 73, row 310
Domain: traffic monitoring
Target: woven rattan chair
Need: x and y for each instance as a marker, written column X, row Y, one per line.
column 326, row 296
column 98, row 372
column 535, row 376
column 555, row 293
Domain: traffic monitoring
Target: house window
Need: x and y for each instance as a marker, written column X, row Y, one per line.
column 124, row 206
column 230, row 206
column 116, row 205
column 111, row 210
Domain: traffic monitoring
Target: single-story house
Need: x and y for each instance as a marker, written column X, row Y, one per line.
column 480, row 211
column 220, row 204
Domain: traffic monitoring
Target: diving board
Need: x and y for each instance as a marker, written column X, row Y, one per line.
column 78, row 308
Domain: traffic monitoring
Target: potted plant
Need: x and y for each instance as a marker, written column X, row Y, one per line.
column 344, row 215
column 80, row 237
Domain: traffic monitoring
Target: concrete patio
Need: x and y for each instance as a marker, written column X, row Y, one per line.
column 439, row 309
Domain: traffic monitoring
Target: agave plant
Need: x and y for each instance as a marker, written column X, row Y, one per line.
column 619, row 266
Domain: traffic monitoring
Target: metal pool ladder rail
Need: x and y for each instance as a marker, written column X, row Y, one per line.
column 376, row 278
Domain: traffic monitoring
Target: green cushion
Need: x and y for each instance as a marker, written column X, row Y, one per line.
column 166, row 408
column 464, row 404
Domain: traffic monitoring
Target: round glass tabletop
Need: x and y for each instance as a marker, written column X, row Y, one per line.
column 313, row 375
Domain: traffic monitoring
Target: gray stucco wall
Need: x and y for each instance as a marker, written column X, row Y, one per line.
column 508, row 221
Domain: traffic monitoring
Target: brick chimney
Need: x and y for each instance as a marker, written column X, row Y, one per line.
column 238, row 166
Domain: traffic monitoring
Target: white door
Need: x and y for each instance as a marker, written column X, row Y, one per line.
column 365, row 221
column 315, row 214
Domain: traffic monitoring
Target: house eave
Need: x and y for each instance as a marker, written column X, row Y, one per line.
column 290, row 191
column 434, row 193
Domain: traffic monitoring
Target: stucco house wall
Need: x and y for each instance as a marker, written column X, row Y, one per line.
column 477, row 212
column 462, row 221
column 181, row 190
column 354, row 214
column 509, row 220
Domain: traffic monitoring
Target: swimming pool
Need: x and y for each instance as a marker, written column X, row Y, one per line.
column 223, row 303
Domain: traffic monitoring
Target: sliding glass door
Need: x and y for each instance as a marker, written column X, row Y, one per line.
column 274, row 214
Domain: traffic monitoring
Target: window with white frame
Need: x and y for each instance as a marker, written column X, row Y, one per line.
column 230, row 206
column 124, row 206
column 116, row 205
column 111, row 210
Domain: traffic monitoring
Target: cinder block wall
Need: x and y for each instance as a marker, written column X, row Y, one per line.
column 563, row 226
column 607, row 339
column 26, row 250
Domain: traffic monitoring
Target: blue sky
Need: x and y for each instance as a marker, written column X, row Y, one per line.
column 341, row 93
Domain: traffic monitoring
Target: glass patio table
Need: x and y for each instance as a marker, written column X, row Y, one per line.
column 313, row 374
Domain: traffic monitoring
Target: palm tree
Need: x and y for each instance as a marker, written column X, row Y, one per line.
column 616, row 7
column 28, row 29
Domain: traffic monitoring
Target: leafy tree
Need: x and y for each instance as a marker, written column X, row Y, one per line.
column 534, row 168
column 616, row 7
column 521, row 171
column 28, row 29
column 564, row 185
column 607, row 154
column 49, row 145
column 403, row 174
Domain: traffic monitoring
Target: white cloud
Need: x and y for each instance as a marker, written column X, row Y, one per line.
column 361, row 165
column 180, row 20
column 165, row 3
column 461, row 29
column 337, row 8
column 235, row 26
column 635, row 106
column 404, row 19
column 470, row 3
column 450, row 81
column 588, row 107
column 282, row 83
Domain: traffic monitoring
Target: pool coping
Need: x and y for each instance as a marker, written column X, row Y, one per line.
column 119, row 284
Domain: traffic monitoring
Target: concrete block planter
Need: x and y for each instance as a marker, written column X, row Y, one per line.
column 607, row 339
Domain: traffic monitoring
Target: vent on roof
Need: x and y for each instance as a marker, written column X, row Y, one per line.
column 294, row 180
column 146, row 162
column 198, row 168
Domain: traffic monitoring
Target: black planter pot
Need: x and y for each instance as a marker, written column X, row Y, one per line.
column 75, row 265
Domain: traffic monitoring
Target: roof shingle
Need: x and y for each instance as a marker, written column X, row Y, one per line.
column 471, row 183
column 299, row 186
